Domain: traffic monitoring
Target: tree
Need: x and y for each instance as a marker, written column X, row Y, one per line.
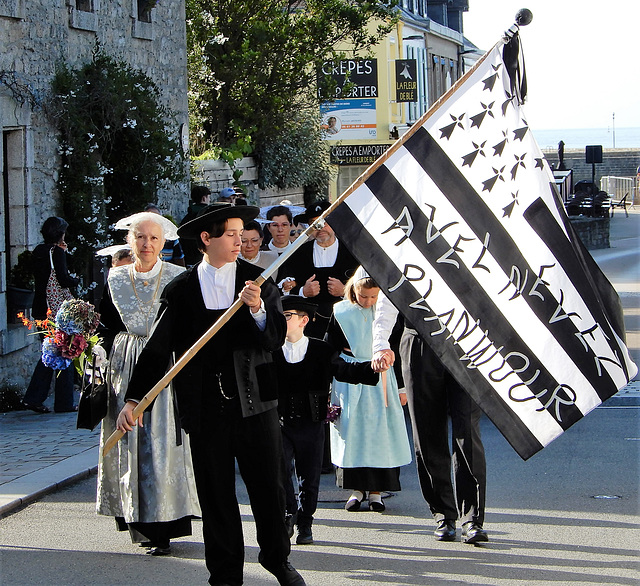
column 253, row 65
column 295, row 157
column 117, row 147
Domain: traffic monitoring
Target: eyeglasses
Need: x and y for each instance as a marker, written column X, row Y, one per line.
column 294, row 232
column 284, row 225
column 288, row 314
column 252, row 240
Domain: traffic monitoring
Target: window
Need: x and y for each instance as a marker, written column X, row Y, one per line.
column 82, row 14
column 11, row 8
column 14, row 195
column 142, row 11
column 347, row 174
column 417, row 109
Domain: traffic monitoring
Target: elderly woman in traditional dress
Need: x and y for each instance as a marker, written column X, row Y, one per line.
column 147, row 481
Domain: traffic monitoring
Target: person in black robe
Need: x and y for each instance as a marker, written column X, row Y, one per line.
column 303, row 368
column 320, row 269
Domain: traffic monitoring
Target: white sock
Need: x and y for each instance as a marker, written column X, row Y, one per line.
column 375, row 497
column 356, row 495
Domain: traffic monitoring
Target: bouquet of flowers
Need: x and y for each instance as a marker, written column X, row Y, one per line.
column 333, row 412
column 69, row 337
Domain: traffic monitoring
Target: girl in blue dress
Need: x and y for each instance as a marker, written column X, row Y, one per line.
column 369, row 440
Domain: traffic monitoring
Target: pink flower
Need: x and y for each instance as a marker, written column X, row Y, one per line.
column 71, row 346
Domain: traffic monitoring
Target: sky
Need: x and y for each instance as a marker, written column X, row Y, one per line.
column 581, row 58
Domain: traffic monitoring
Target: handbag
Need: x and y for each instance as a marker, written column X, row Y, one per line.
column 56, row 293
column 92, row 406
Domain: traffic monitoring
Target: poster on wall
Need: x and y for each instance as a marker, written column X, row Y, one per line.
column 406, row 80
column 349, row 119
column 354, row 78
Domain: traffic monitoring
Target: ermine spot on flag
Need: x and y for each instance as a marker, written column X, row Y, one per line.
column 462, row 228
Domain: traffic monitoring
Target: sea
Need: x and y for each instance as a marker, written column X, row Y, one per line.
column 577, row 138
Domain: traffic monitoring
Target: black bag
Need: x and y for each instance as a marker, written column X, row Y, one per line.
column 92, row 406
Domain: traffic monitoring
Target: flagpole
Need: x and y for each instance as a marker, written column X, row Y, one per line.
column 140, row 408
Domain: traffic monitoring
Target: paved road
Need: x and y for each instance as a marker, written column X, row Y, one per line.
column 569, row 515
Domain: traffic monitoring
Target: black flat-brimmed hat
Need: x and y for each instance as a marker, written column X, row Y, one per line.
column 213, row 213
column 298, row 303
column 313, row 210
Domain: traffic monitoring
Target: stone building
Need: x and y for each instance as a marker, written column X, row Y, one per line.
column 149, row 35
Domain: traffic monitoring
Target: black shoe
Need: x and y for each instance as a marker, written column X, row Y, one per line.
column 287, row 575
column 446, row 530
column 353, row 504
column 158, row 551
column 376, row 505
column 305, row 536
column 289, row 521
column 36, row 408
column 473, row 533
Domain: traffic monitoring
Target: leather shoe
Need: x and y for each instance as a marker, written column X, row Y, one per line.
column 446, row 530
column 287, row 575
column 305, row 535
column 158, row 551
column 376, row 503
column 473, row 533
column 36, row 408
column 355, row 500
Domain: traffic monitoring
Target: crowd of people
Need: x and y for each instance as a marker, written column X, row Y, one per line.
column 313, row 366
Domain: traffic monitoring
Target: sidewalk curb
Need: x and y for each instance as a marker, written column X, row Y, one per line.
column 22, row 492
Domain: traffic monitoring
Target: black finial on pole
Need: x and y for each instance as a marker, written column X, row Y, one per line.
column 512, row 55
column 524, row 17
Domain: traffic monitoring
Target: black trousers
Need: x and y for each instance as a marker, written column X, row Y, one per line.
column 433, row 395
column 256, row 443
column 303, row 443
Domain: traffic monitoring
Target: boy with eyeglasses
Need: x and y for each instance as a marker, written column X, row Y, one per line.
column 305, row 368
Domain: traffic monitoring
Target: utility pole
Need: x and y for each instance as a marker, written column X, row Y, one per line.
column 614, row 130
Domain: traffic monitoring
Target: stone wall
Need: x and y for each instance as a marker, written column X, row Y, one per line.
column 217, row 174
column 36, row 35
column 615, row 162
column 31, row 46
column 594, row 232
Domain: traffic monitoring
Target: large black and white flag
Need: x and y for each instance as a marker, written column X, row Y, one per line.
column 461, row 226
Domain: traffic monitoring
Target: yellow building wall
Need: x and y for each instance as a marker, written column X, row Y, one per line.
column 388, row 112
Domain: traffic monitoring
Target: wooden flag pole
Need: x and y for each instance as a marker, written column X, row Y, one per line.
column 522, row 18
column 115, row 437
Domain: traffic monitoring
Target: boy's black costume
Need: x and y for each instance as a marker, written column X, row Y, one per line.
column 303, row 389
column 227, row 402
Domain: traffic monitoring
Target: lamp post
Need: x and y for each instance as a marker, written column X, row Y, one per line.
column 614, row 129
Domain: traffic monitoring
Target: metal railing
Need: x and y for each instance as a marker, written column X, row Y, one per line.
column 618, row 187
